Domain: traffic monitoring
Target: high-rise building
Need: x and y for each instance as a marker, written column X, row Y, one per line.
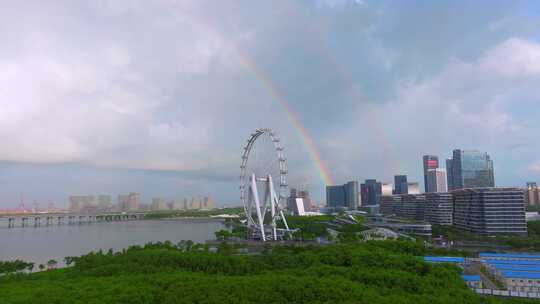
column 436, row 180
column 490, row 211
column 532, row 194
column 439, row 208
column 134, row 200
column 159, row 204
column 386, row 189
column 351, row 194
column 207, row 203
column 343, row 196
column 83, row 203
column 430, row 162
column 400, row 184
column 104, row 202
column 123, row 202
column 371, row 191
column 469, row 169
column 129, row 202
column 449, row 174
column 178, row 204
column 195, row 203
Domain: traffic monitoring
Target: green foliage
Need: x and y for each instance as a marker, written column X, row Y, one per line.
column 534, row 228
column 531, row 242
column 193, row 213
column 223, row 235
column 533, row 208
column 367, row 272
column 451, row 233
column 15, row 266
column 309, row 227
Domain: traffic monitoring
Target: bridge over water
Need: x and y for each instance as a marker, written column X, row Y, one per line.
column 48, row 219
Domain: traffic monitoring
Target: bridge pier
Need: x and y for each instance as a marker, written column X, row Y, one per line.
column 35, row 219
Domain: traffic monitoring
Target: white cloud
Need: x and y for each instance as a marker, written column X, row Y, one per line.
column 469, row 105
column 535, row 167
column 514, row 58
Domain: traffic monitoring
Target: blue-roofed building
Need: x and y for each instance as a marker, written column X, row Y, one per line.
column 517, row 268
column 441, row 259
column 522, row 281
column 519, row 271
column 472, row 280
column 510, row 256
column 511, row 262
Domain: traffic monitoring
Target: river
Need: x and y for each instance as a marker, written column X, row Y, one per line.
column 40, row 244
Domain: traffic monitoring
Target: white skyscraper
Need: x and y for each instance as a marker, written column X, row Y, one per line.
column 436, row 180
column 386, row 189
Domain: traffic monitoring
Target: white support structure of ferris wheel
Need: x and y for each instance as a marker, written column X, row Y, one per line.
column 253, row 179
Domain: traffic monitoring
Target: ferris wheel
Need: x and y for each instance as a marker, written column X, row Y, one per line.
column 263, row 184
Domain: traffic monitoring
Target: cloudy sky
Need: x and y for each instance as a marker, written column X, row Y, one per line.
column 160, row 96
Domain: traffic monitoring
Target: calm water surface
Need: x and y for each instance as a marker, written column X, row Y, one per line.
column 56, row 242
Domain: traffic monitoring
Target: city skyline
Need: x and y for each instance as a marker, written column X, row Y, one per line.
column 356, row 90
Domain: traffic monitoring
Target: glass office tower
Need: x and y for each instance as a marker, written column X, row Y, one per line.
column 400, row 184
column 343, row 196
column 371, row 191
column 469, row 169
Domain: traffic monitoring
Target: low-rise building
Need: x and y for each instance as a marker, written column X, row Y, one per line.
column 490, row 211
column 439, row 208
column 472, row 280
column 413, row 206
column 390, row 204
column 410, row 206
column 519, row 272
column 532, row 194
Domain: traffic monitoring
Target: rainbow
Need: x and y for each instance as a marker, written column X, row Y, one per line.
column 303, row 133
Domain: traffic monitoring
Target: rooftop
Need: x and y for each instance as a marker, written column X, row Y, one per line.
column 510, row 256
column 470, row 277
column 512, row 262
column 439, row 259
column 510, row 267
column 521, row 275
